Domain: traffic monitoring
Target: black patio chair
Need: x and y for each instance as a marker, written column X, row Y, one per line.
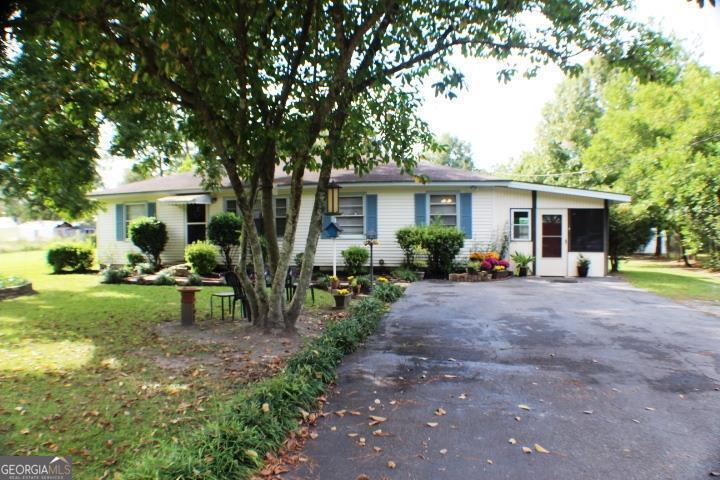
column 232, row 279
column 291, row 285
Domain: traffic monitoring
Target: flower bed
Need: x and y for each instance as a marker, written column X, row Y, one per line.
column 11, row 286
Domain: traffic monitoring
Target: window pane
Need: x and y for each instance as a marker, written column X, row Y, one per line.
column 552, row 247
column 521, row 218
column 280, row 226
column 196, row 213
column 351, row 205
column 281, row 207
column 442, row 199
column 442, row 210
column 586, row 230
column 231, row 206
column 552, row 225
column 136, row 211
column 352, row 230
column 195, row 233
column 521, row 232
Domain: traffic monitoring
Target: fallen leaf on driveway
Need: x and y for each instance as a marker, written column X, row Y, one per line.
column 650, row 409
column 352, row 435
column 489, row 461
column 314, row 435
column 355, row 413
column 523, row 406
column 443, row 451
column 391, row 465
column 636, row 420
column 450, row 376
column 512, row 441
column 377, row 401
column 379, row 433
column 526, row 450
column 462, row 396
column 362, row 477
column 588, row 412
column 539, row 448
column 432, row 424
column 341, row 413
column 440, row 412
column 377, row 449
column 361, row 442
column 376, row 420
column 517, row 419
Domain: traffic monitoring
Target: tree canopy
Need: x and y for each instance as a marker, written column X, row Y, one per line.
column 453, row 152
column 258, row 86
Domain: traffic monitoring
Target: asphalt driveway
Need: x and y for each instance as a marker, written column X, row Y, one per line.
column 617, row 384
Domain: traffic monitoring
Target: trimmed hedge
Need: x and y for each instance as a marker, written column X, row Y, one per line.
column 234, row 444
column 74, row 256
column 202, row 257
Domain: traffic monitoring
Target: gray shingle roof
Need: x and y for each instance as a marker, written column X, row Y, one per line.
column 191, row 183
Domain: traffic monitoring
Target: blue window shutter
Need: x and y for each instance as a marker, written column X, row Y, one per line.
column 151, row 209
column 420, row 209
column 466, row 214
column 371, row 214
column 120, row 221
column 325, row 222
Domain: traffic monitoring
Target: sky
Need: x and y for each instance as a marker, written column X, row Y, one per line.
column 500, row 120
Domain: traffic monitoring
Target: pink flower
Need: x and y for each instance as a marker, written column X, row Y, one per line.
column 486, row 265
column 504, row 263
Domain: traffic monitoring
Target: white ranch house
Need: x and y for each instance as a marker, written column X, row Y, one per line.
column 556, row 224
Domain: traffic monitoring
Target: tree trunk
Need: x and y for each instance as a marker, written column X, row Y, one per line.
column 658, row 242
column 614, row 264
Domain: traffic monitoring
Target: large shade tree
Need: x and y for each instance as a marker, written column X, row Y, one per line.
column 258, row 86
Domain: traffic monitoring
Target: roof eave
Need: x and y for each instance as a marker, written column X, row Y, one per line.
column 578, row 192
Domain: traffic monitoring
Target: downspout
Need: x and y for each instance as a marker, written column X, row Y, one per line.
column 533, row 223
column 606, row 235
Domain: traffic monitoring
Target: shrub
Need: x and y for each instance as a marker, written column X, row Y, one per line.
column 224, row 231
column 194, row 280
column 115, row 274
column 473, row 267
column 355, row 257
column 164, row 279
column 135, row 258
column 201, row 257
column 74, row 256
column 387, row 292
column 299, row 259
column 629, row 230
column 363, row 281
column 150, row 235
column 145, row 268
column 323, row 281
column 409, row 238
column 405, row 275
column 244, row 431
column 442, row 244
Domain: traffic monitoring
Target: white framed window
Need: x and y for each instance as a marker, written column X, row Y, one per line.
column 196, row 222
column 281, row 208
column 133, row 211
column 444, row 209
column 352, row 218
column 521, row 225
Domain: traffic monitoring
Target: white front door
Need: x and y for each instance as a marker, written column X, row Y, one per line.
column 552, row 261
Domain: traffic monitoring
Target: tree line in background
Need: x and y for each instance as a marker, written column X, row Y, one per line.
column 656, row 138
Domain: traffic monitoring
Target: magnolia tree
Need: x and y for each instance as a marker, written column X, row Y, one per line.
column 262, row 86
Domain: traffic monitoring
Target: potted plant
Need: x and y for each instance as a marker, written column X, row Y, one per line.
column 334, row 282
column 583, row 266
column 419, row 264
column 500, row 269
column 522, row 262
column 342, row 298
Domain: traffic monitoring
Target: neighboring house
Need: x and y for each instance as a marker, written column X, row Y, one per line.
column 556, row 224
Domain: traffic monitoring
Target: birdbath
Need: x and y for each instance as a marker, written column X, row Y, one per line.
column 187, row 305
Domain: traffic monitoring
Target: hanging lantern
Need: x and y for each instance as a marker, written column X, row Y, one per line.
column 333, row 199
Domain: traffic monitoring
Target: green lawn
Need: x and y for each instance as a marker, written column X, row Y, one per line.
column 78, row 369
column 672, row 279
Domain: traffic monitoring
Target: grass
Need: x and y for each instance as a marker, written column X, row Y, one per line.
column 79, row 373
column 672, row 279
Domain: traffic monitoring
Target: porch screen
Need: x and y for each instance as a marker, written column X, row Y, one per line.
column 586, row 230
